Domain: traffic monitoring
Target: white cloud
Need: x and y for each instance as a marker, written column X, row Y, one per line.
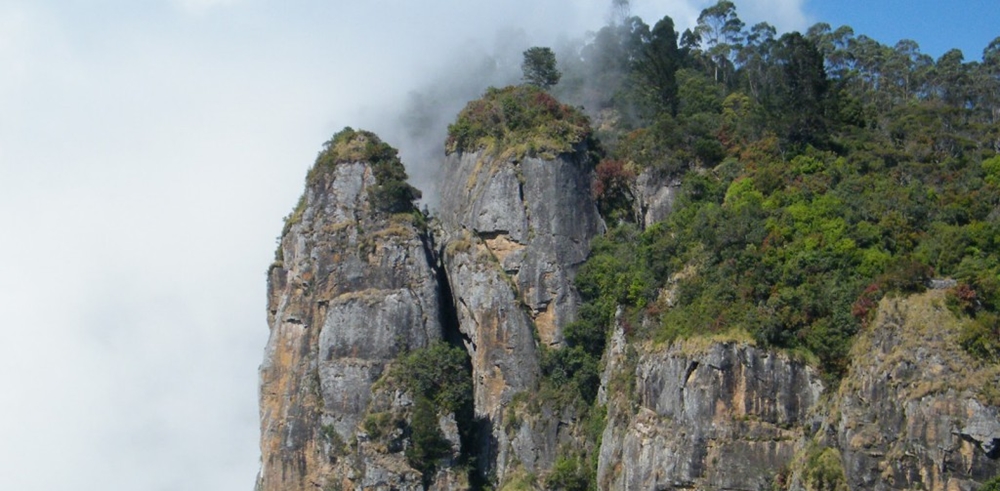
column 202, row 6
column 146, row 160
column 785, row 15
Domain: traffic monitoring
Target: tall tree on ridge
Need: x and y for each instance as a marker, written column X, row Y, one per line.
column 657, row 64
column 539, row 67
column 721, row 31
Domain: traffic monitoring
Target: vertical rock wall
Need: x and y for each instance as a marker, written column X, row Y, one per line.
column 716, row 416
column 514, row 233
column 352, row 290
column 915, row 411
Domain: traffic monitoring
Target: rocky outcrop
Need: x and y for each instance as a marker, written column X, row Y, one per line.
column 654, row 194
column 352, row 289
column 535, row 217
column 719, row 415
column 355, row 287
column 514, row 233
column 915, row 411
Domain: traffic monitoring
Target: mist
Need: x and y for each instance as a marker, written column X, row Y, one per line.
column 414, row 116
column 148, row 153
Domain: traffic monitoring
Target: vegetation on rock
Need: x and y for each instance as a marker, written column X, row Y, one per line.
column 438, row 373
column 820, row 171
column 518, row 121
column 438, row 378
column 391, row 193
column 539, row 67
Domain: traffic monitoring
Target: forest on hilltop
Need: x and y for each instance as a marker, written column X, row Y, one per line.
column 817, row 173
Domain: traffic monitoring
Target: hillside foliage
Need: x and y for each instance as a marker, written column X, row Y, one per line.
column 518, row 121
column 819, row 170
column 391, row 193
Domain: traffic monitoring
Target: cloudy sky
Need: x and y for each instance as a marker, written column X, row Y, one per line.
column 148, row 152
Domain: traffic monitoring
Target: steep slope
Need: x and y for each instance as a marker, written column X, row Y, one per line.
column 535, row 216
column 402, row 360
column 354, row 287
column 515, row 226
column 915, row 410
column 704, row 415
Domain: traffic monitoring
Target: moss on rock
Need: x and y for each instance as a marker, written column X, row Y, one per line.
column 518, row 121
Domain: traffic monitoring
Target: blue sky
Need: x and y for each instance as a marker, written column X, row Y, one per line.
column 968, row 25
column 148, row 152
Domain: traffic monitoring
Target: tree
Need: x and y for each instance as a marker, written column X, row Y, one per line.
column 754, row 57
column 539, row 67
column 427, row 444
column 657, row 63
column 801, row 88
column 952, row 79
column 722, row 32
column 990, row 79
column 621, row 10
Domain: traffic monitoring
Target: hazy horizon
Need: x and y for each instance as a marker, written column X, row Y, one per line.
column 148, row 152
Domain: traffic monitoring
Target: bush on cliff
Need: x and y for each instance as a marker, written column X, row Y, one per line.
column 518, row 121
column 438, row 373
column 391, row 193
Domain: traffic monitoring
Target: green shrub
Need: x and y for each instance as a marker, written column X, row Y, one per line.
column 438, row 373
column 378, row 425
column 824, row 471
column 980, row 337
column 991, row 485
column 567, row 474
column 391, row 193
column 571, row 373
column 518, row 121
column 427, row 444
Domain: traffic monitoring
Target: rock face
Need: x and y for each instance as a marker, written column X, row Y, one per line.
column 915, row 411
column 515, row 231
column 720, row 416
column 356, row 287
column 536, row 217
column 654, row 196
column 352, row 290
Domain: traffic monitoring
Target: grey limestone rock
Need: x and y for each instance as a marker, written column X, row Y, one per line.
column 514, row 233
column 911, row 413
column 353, row 289
column 722, row 417
column 654, row 196
column 536, row 217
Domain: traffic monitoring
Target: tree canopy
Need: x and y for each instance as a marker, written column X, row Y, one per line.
column 539, row 67
column 819, row 171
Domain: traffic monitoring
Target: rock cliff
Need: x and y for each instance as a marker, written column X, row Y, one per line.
column 353, row 288
column 915, row 411
column 534, row 216
column 704, row 415
column 363, row 296
column 514, row 232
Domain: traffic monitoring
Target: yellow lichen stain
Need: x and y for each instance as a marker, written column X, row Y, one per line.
column 501, row 247
column 289, row 389
column 545, row 322
column 968, row 452
column 740, row 396
column 722, row 412
column 492, row 384
column 370, row 296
